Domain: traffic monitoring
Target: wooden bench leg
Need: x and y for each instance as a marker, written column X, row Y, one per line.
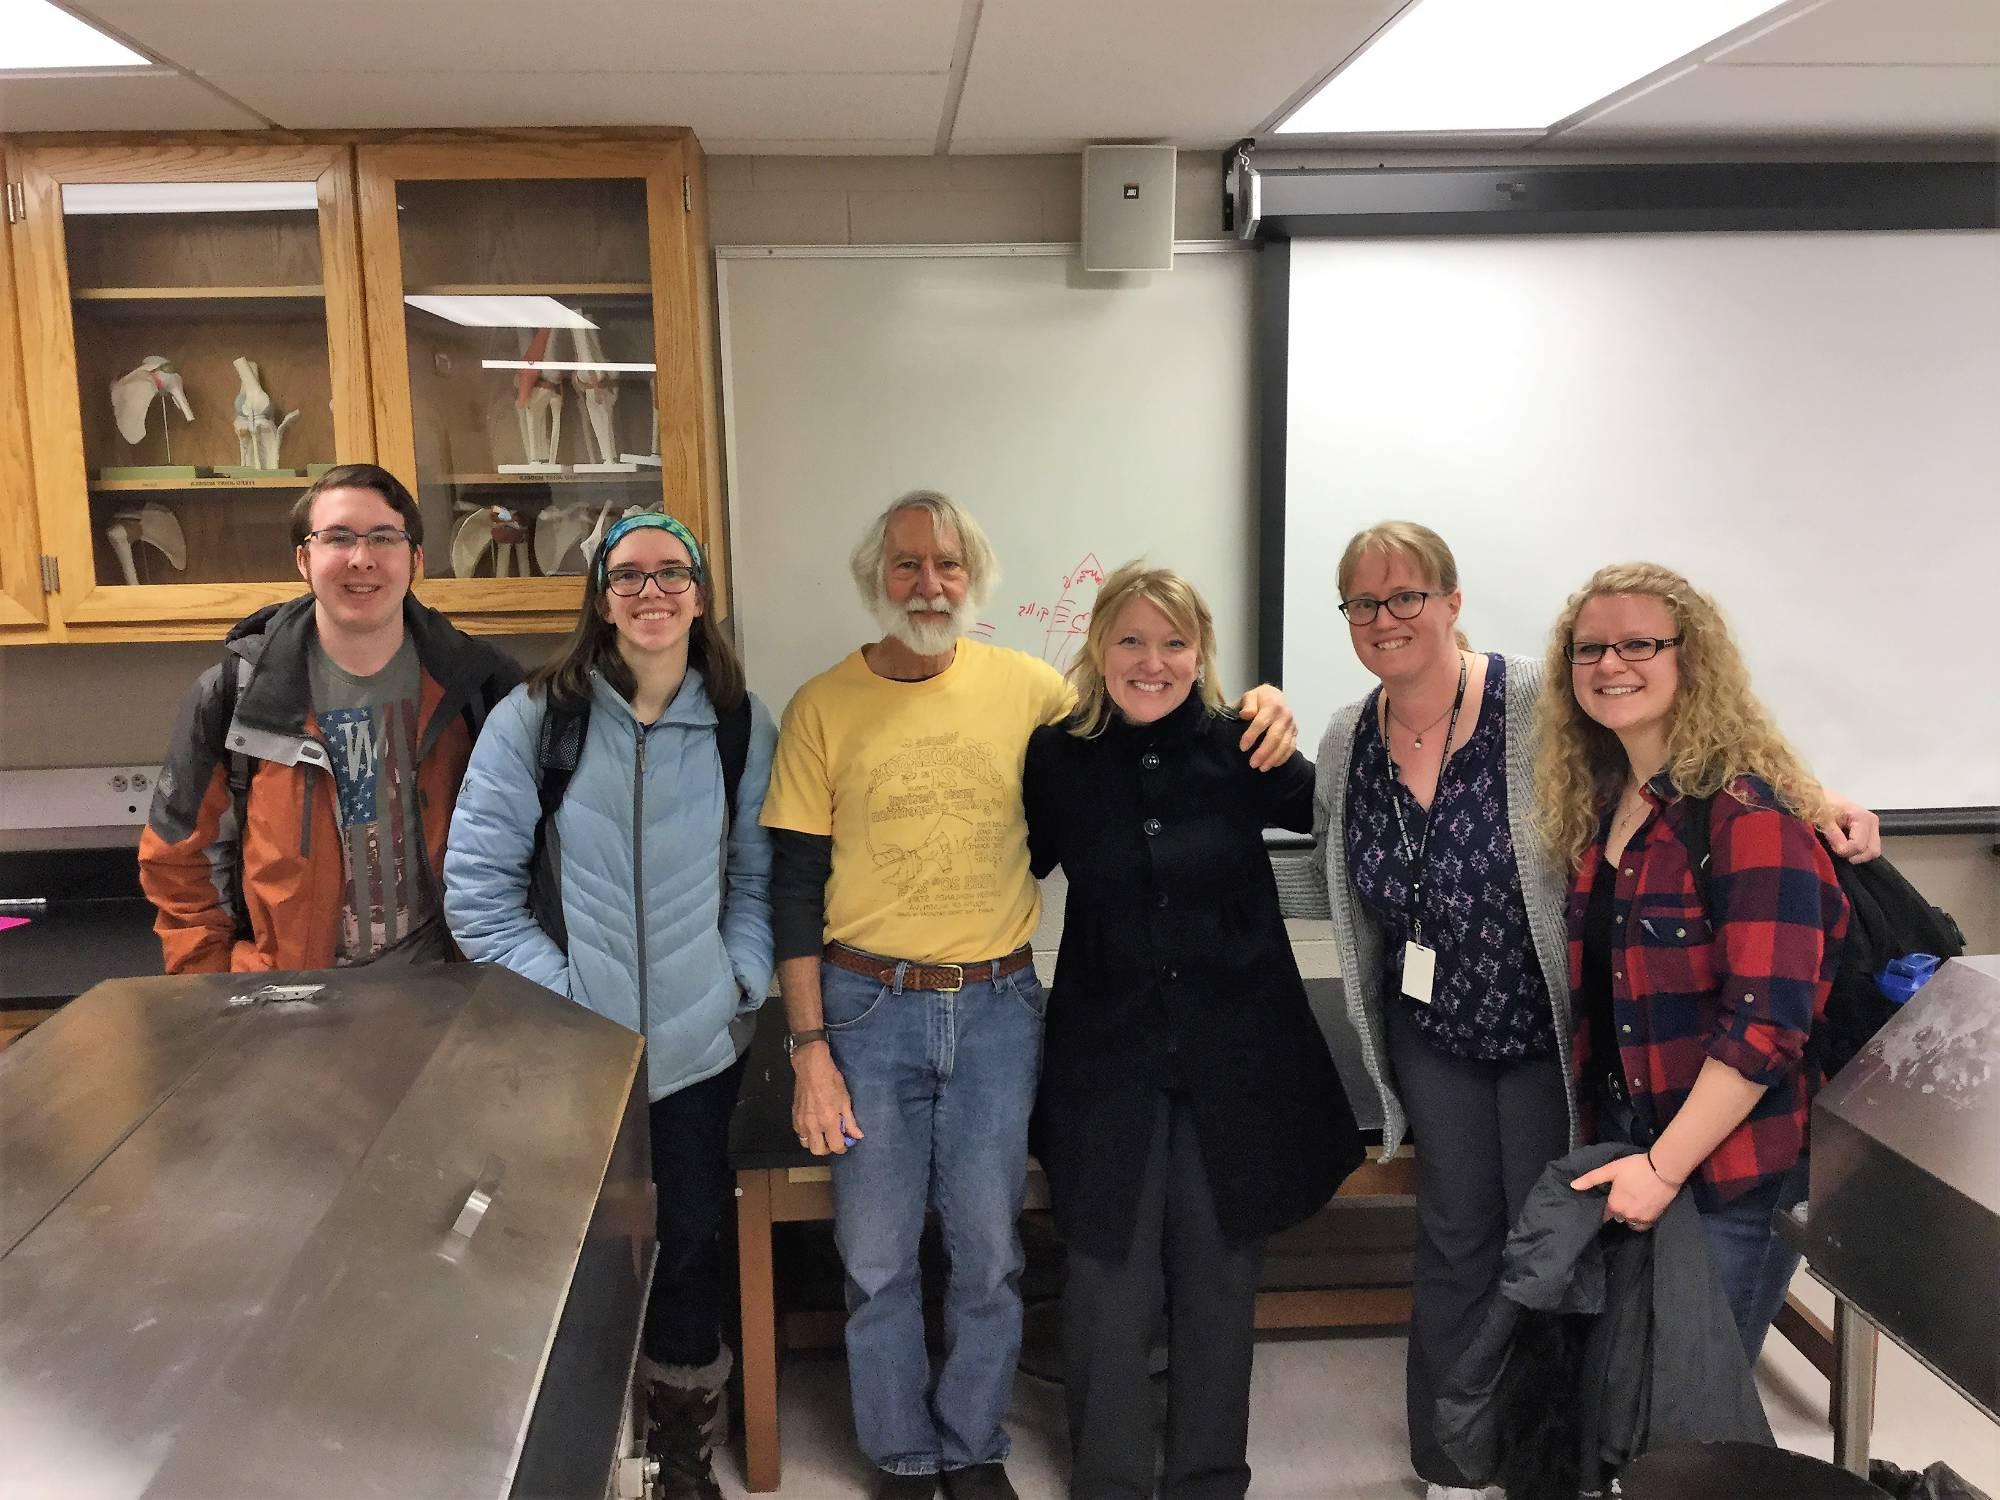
column 760, row 1331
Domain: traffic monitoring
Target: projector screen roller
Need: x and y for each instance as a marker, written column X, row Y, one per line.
column 1806, row 425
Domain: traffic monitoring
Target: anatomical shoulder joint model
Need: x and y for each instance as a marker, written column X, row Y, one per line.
column 133, row 394
column 152, row 525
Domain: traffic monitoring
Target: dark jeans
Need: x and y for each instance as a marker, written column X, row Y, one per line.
column 1211, row 1295
column 1484, row 1131
column 1752, row 1262
column 690, row 1134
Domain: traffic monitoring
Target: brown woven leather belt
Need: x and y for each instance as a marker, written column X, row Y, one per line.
column 943, row 977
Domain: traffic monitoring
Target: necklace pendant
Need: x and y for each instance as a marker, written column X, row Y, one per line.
column 1419, row 742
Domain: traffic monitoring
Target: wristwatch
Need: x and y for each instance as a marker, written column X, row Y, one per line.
column 797, row 1039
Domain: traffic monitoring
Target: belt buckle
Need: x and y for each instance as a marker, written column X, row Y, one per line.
column 957, row 981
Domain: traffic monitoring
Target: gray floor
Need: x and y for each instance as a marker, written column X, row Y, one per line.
column 1327, row 1423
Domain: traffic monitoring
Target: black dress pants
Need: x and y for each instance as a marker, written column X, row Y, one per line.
column 1210, row 1287
column 1484, row 1131
column 695, row 1189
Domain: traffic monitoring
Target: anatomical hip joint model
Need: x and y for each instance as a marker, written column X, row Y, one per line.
column 152, row 525
column 133, row 394
column 257, row 435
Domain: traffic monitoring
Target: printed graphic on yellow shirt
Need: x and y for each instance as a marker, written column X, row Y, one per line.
column 940, row 817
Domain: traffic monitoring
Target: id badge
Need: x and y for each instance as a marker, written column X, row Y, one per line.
column 1419, row 971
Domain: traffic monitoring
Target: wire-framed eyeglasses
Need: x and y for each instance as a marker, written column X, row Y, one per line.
column 341, row 539
column 628, row 583
column 1639, row 648
column 1405, row 604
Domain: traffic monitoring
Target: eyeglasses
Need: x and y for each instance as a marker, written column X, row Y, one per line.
column 340, row 539
column 627, row 583
column 1639, row 648
column 1406, row 605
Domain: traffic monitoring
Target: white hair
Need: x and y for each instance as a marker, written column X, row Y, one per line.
column 948, row 519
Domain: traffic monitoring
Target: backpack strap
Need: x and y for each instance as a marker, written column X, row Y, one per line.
column 240, row 770
column 557, row 750
column 732, row 743
column 1697, row 837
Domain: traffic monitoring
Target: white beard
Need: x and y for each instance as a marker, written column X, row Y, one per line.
column 926, row 631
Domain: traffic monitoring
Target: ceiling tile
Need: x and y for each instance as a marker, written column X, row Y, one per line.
column 1759, row 103
column 532, row 36
column 742, row 108
column 1187, row 71
column 1931, row 32
column 129, row 101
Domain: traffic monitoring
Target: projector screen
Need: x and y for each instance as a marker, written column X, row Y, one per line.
column 1806, row 425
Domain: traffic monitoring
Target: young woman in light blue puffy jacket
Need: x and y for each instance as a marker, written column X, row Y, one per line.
column 660, row 918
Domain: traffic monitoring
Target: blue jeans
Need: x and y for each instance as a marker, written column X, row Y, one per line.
column 942, row 1084
column 1751, row 1261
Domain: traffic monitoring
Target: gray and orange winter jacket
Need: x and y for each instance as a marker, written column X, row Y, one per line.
column 241, row 854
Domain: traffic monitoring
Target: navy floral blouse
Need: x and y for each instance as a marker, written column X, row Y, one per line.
column 1488, row 999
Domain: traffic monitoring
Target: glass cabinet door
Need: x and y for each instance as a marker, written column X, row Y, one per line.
column 539, row 372
column 202, row 309
column 21, row 604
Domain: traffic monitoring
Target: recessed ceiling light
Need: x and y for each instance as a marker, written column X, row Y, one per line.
column 39, row 37
column 1465, row 65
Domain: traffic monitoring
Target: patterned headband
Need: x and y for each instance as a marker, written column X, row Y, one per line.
column 626, row 525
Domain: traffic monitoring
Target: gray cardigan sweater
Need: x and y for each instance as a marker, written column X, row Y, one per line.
column 1329, row 891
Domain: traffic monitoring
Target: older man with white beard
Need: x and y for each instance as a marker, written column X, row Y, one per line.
column 903, row 906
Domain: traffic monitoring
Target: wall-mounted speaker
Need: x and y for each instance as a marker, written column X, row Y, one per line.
column 1128, row 208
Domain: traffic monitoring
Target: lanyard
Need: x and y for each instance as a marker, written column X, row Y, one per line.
column 1418, row 859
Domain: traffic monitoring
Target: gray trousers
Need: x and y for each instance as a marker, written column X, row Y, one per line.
column 1210, row 1287
column 1484, row 1131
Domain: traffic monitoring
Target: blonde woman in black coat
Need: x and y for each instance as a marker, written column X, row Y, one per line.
column 1188, row 1105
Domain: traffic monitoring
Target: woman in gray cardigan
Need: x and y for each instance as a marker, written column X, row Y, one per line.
column 1450, row 927
column 1448, row 915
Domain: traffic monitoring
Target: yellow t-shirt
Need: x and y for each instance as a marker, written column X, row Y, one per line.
column 919, row 783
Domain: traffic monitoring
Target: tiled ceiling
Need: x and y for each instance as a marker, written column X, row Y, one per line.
column 965, row 76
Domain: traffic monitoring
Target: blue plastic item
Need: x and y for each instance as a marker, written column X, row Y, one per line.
column 1903, row 977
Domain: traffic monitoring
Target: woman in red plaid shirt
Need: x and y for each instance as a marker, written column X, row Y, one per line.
column 1691, row 1016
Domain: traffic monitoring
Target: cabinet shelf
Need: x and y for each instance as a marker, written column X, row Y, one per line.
column 198, row 293
column 539, row 289
column 120, row 486
column 483, row 481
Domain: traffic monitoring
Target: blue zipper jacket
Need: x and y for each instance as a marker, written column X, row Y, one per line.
column 669, row 921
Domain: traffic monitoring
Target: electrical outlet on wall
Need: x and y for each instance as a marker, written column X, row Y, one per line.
column 77, row 797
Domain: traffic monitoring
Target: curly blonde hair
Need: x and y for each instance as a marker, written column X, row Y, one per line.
column 1174, row 597
column 1719, row 731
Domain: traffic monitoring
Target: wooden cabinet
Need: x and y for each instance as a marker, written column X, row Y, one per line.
column 520, row 329
column 539, row 315
column 203, row 287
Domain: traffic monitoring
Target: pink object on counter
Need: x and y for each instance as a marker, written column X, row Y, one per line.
column 6, row 922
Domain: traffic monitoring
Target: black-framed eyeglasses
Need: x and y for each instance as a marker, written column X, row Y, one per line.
column 342, row 539
column 628, row 583
column 1639, row 648
column 1405, row 604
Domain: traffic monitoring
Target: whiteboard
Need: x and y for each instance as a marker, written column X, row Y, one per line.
column 1806, row 425
column 1084, row 419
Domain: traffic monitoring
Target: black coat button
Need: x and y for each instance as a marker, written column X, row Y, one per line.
column 1152, row 825
column 1160, row 900
column 1169, row 973
column 1150, row 760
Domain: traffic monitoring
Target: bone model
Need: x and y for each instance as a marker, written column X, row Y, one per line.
column 154, row 379
column 256, row 434
column 599, row 390
column 538, row 403
column 154, row 526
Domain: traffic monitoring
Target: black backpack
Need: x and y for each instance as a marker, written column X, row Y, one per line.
column 1888, row 918
column 559, row 748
